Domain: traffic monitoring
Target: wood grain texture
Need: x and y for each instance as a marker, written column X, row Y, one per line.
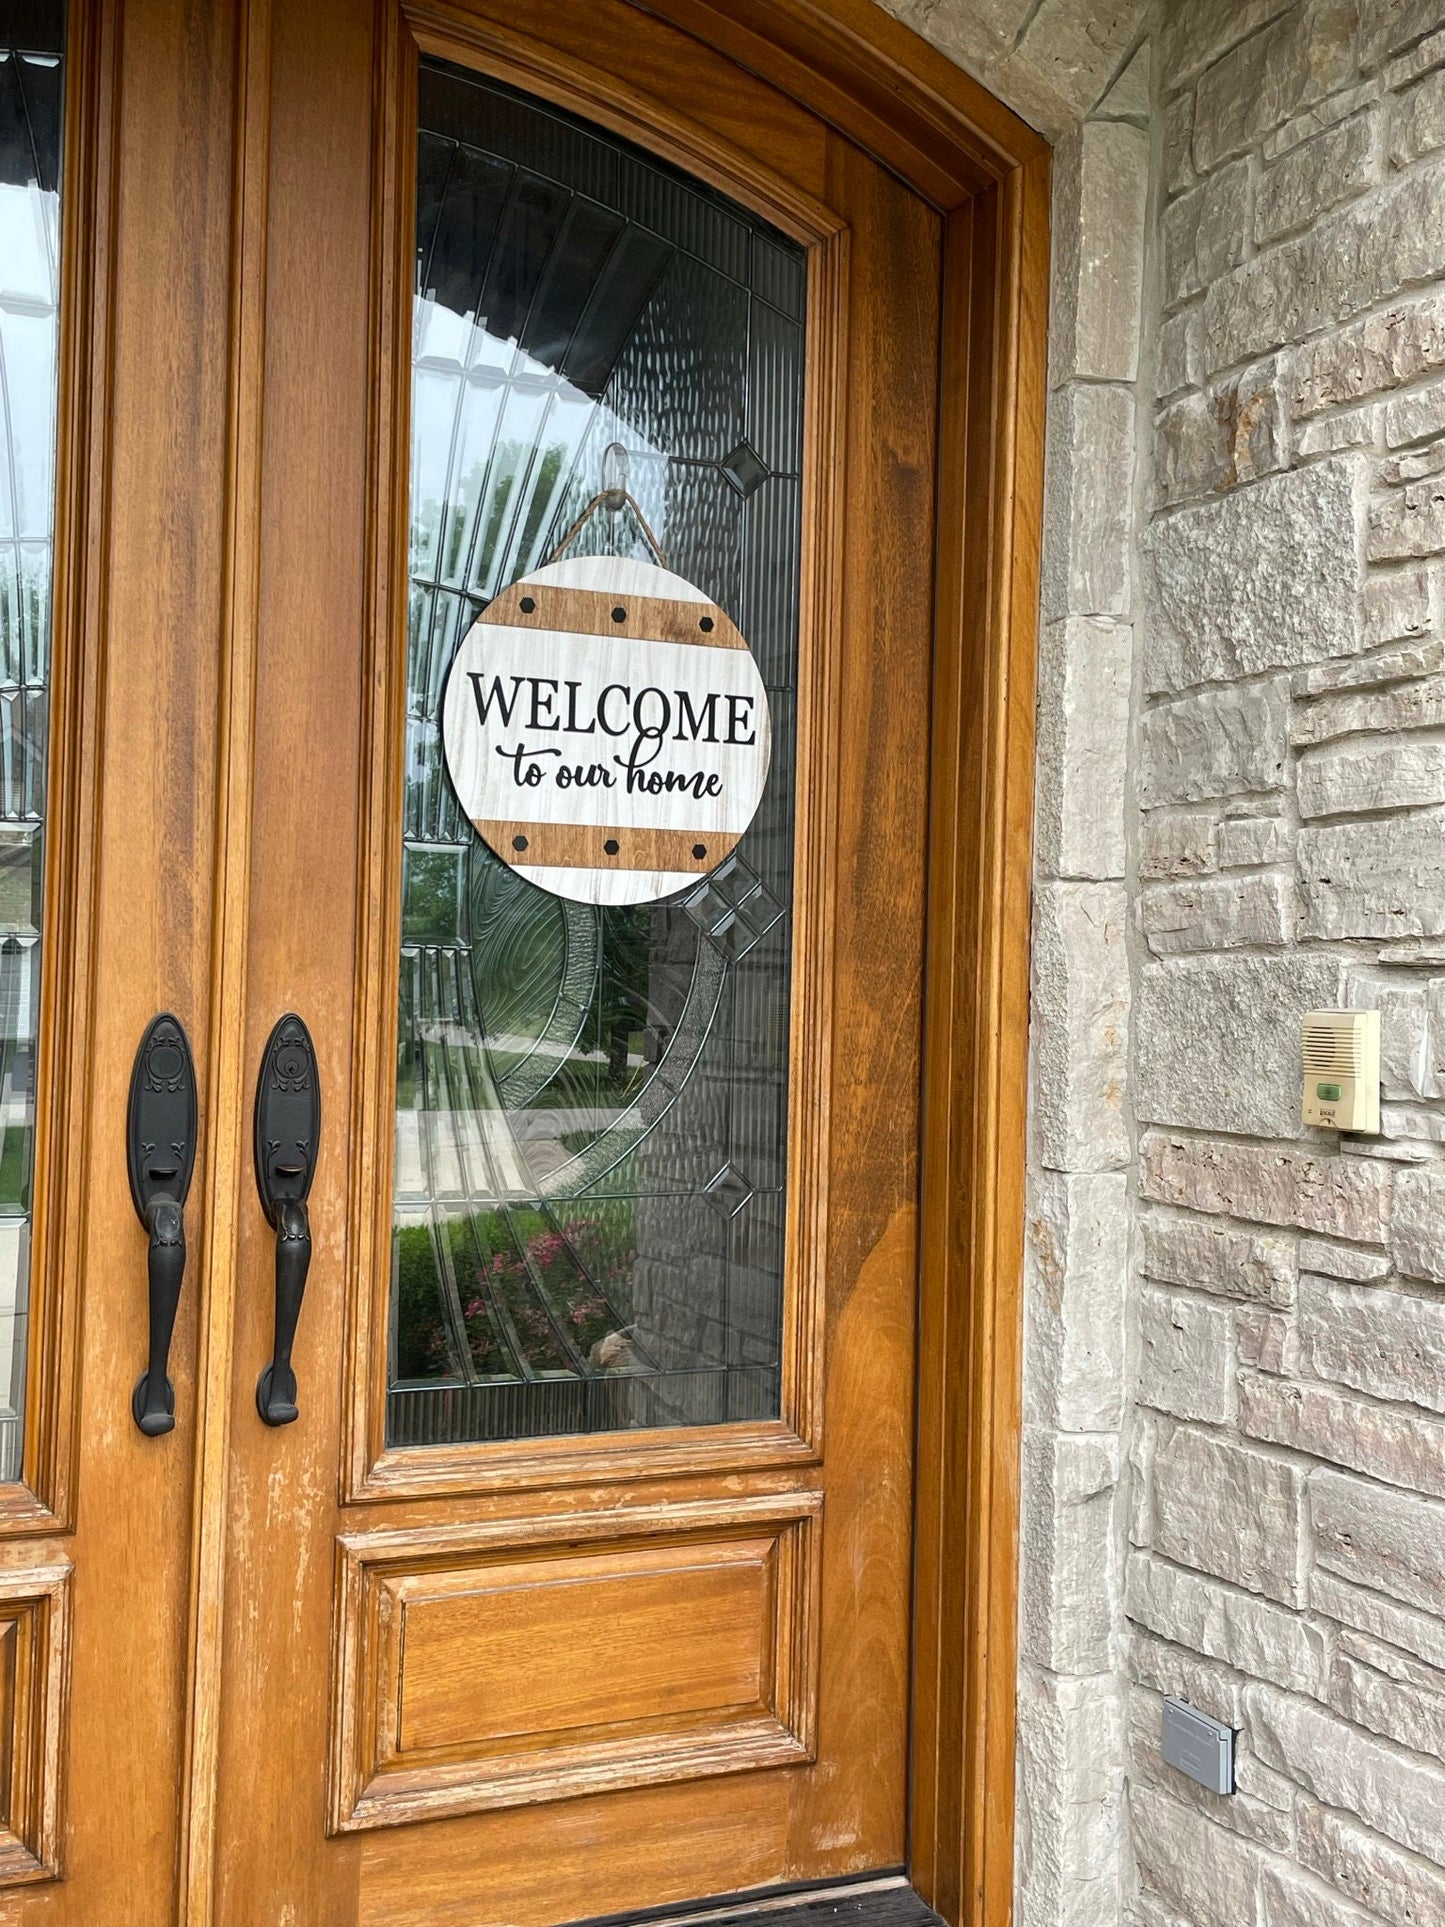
column 142, row 433
column 991, row 490
column 876, row 81
column 535, row 1660
column 225, row 1045
column 319, row 154
column 589, row 612
column 678, row 98
column 34, row 1677
column 330, row 952
column 664, row 854
column 272, row 1644
column 244, row 205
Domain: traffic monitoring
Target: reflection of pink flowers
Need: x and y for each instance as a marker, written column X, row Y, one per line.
column 506, row 1280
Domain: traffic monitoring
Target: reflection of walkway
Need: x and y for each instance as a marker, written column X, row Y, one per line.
column 530, row 1213
column 468, row 1170
column 527, row 1142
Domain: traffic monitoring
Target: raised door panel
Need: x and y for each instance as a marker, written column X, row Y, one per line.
column 34, row 1675
column 533, row 1661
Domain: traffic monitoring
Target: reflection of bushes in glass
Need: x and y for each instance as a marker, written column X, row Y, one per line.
column 522, row 1289
column 421, row 1338
column 522, row 1253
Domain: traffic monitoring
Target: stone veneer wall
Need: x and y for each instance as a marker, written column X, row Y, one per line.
column 1287, row 1541
column 1234, row 1455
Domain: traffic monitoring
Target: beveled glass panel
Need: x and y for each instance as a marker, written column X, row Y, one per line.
column 31, row 82
column 591, row 1132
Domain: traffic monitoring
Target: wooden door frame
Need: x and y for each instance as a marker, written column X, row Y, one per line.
column 987, row 173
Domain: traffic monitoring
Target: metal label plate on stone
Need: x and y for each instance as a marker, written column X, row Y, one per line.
column 1199, row 1746
column 606, row 730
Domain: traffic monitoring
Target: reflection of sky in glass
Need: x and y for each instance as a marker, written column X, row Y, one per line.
column 29, row 256
column 502, row 439
column 29, row 330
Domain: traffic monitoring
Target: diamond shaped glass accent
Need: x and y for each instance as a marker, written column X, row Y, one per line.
column 734, row 907
column 745, row 469
column 728, row 1192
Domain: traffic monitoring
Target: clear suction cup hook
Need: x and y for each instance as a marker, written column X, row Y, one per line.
column 614, row 495
column 616, row 478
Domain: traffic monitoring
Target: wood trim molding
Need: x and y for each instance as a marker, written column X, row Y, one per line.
column 42, row 1500
column 518, row 55
column 227, row 1070
column 976, row 1050
column 919, row 113
column 877, row 81
column 372, row 1471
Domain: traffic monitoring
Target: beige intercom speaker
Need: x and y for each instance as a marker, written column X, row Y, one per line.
column 1342, row 1069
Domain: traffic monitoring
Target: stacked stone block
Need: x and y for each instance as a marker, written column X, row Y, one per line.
column 1051, row 60
column 1071, row 1698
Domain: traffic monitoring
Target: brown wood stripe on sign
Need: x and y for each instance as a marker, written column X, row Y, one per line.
column 599, row 612
column 578, row 846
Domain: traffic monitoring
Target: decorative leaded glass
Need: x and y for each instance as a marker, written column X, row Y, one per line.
column 591, row 1140
column 31, row 77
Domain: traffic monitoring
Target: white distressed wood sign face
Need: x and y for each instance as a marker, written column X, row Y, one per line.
column 606, row 730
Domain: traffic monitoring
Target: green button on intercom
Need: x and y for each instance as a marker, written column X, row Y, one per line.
column 1328, row 1093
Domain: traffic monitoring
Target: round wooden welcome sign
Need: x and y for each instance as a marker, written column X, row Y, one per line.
column 606, row 730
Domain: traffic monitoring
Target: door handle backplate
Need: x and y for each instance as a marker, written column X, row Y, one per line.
column 160, row 1148
column 288, row 1137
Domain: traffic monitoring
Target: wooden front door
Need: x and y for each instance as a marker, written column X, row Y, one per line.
column 562, row 1565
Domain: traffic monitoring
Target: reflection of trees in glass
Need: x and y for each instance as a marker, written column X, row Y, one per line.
column 487, row 496
column 601, row 1068
column 432, row 897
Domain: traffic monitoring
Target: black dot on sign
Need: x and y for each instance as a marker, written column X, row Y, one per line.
column 519, row 843
column 699, row 849
column 619, row 615
column 527, row 605
column 611, row 846
column 706, row 625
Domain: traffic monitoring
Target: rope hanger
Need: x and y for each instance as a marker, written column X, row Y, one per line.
column 613, row 496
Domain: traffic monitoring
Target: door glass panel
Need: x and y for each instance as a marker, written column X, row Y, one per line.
column 31, row 74
column 591, row 1102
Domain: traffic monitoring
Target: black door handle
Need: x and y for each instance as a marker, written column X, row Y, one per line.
column 160, row 1156
column 288, row 1135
